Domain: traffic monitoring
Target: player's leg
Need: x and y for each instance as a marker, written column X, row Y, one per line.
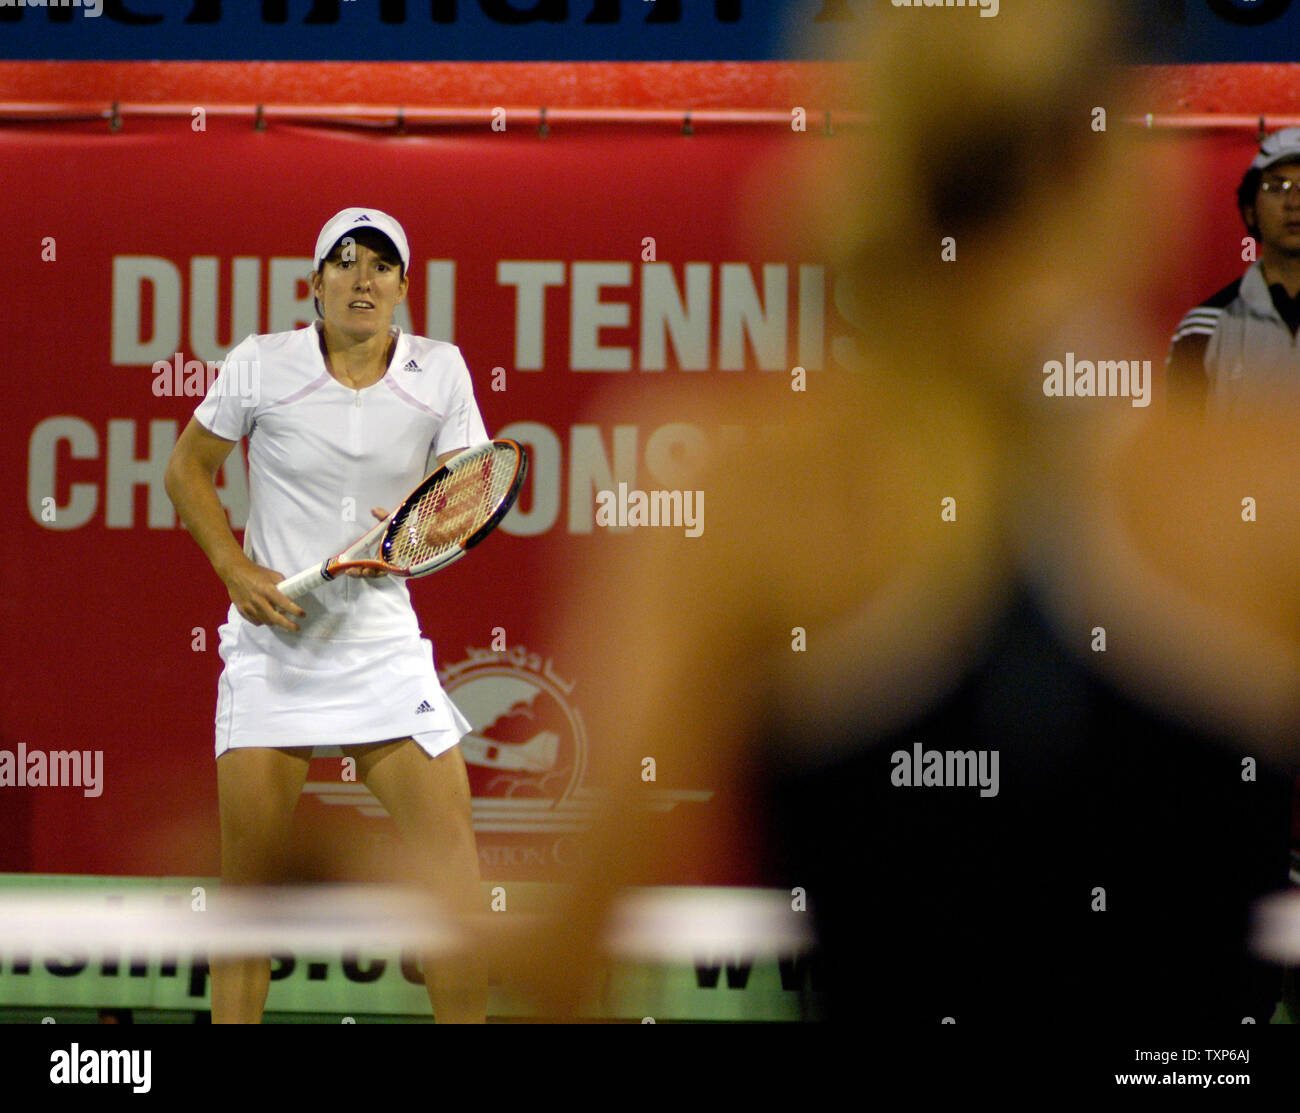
column 429, row 800
column 257, row 790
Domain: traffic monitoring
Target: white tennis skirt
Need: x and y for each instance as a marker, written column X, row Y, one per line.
column 278, row 690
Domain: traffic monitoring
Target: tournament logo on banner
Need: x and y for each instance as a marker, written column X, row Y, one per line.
column 526, row 756
column 527, row 751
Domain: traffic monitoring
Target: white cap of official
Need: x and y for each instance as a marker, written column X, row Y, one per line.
column 350, row 220
column 1281, row 146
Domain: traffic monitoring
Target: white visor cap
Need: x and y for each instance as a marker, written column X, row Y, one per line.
column 350, row 220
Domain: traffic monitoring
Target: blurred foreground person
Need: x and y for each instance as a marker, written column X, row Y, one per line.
column 991, row 557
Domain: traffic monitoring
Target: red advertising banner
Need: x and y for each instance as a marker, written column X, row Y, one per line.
column 597, row 262
column 619, row 265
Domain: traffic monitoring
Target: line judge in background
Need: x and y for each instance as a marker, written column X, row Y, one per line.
column 1110, row 880
column 345, row 413
column 1244, row 336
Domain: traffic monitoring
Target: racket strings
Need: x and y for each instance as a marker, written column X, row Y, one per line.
column 453, row 509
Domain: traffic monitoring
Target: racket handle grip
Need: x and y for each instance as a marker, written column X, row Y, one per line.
column 304, row 582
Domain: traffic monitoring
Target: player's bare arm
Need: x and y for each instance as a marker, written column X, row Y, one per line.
column 190, row 483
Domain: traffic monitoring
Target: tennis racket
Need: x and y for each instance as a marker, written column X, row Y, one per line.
column 449, row 513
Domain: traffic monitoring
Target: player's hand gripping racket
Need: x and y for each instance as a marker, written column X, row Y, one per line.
column 449, row 513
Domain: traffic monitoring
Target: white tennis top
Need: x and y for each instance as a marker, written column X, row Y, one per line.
column 321, row 454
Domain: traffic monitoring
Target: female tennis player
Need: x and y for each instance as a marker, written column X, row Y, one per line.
column 346, row 413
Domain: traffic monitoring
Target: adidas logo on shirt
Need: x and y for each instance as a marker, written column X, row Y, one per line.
column 412, row 366
column 424, row 706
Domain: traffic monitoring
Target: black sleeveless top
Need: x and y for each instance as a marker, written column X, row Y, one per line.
column 1109, row 880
